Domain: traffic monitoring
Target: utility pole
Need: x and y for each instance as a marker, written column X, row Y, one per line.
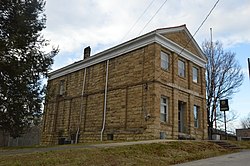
column 248, row 59
column 225, row 121
column 212, row 54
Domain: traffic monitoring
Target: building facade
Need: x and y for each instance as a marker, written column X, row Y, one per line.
column 151, row 87
column 243, row 134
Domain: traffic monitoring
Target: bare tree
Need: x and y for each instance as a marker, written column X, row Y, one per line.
column 245, row 122
column 223, row 78
column 231, row 116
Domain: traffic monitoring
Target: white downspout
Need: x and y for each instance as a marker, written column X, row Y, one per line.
column 105, row 99
column 81, row 110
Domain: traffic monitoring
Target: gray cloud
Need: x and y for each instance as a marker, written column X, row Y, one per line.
column 102, row 24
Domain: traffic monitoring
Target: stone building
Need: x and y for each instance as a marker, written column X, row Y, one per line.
column 243, row 134
column 151, row 87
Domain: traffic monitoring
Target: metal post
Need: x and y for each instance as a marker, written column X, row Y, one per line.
column 225, row 121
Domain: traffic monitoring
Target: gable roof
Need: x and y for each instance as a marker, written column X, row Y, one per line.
column 160, row 36
column 181, row 36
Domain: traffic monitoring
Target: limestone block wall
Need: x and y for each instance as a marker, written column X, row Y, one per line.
column 180, row 89
column 130, row 84
column 136, row 83
column 182, row 39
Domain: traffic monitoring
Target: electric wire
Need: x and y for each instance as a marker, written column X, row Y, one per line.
column 153, row 16
column 132, row 27
column 202, row 23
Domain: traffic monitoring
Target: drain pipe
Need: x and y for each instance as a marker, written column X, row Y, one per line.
column 81, row 110
column 105, row 99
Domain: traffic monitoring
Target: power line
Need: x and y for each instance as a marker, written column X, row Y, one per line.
column 206, row 17
column 211, row 10
column 153, row 17
column 201, row 25
column 132, row 27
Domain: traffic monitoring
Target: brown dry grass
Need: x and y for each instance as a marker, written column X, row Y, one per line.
column 241, row 144
column 146, row 154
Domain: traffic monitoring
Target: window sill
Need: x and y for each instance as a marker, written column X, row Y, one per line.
column 196, row 83
column 165, row 123
column 198, row 129
column 166, row 70
column 182, row 77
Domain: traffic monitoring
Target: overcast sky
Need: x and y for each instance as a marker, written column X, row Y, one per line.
column 101, row 24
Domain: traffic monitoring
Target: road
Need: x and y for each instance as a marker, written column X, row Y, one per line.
column 235, row 159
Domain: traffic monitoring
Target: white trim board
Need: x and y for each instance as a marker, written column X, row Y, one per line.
column 149, row 38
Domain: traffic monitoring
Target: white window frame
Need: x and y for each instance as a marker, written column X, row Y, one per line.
column 196, row 116
column 181, row 68
column 195, row 74
column 164, row 109
column 164, row 60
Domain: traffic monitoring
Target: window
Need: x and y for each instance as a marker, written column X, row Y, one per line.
column 195, row 75
column 164, row 109
column 196, row 116
column 164, row 60
column 181, row 68
column 61, row 87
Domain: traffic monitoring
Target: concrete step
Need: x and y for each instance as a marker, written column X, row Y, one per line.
column 226, row 145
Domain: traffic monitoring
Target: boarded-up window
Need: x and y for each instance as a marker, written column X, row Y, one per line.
column 62, row 87
column 164, row 109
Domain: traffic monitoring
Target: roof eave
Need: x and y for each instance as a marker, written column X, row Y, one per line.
column 105, row 55
column 149, row 38
column 180, row 50
column 183, row 28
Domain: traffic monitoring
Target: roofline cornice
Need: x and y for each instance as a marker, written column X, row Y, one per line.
column 105, row 55
column 180, row 50
column 149, row 38
column 182, row 28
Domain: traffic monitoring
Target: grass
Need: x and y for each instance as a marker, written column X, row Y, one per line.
column 145, row 154
column 241, row 144
column 44, row 146
column 21, row 147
